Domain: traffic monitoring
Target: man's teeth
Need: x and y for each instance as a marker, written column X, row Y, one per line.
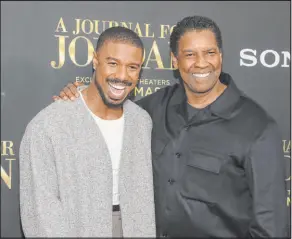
column 201, row 75
column 118, row 87
column 117, row 90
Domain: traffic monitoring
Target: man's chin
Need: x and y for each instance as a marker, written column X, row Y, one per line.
column 114, row 103
column 113, row 106
column 203, row 87
column 202, row 90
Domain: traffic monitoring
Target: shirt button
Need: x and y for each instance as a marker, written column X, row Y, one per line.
column 178, row 155
column 171, row 181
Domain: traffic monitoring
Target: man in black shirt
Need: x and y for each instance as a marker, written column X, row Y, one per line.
column 217, row 156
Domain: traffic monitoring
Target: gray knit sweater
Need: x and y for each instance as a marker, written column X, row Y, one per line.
column 66, row 174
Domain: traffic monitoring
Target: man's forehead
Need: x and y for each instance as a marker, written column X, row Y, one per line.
column 113, row 43
column 198, row 39
column 121, row 51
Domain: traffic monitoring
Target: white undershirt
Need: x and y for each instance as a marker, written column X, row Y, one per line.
column 112, row 131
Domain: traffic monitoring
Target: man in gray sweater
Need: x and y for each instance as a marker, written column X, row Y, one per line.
column 92, row 176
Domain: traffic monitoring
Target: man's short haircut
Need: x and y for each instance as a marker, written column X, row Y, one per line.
column 193, row 23
column 119, row 34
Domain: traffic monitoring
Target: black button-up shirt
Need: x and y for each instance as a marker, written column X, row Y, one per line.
column 218, row 171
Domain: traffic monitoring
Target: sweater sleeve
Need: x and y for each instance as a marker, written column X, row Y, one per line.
column 41, row 210
column 149, row 221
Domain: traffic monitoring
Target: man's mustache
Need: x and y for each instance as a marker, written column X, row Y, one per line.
column 119, row 81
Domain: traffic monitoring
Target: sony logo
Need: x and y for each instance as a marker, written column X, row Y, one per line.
column 268, row 58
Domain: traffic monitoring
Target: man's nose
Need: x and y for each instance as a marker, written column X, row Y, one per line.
column 201, row 61
column 122, row 73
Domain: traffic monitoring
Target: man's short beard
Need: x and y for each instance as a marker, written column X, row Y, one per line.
column 105, row 100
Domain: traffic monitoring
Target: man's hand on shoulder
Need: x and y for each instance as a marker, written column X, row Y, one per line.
column 69, row 92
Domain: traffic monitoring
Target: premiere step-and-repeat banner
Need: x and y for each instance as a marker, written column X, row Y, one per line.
column 45, row 45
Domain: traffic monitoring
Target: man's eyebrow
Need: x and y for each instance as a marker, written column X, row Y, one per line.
column 208, row 49
column 115, row 59
column 187, row 50
column 112, row 58
column 136, row 64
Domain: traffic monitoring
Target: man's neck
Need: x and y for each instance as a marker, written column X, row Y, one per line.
column 203, row 100
column 95, row 103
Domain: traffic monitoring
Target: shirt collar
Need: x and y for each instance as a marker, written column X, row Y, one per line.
column 223, row 106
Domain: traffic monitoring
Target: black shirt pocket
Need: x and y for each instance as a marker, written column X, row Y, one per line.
column 202, row 176
column 205, row 162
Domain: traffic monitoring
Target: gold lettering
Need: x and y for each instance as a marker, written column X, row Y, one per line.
column 7, row 177
column 171, row 63
column 96, row 24
column 148, row 91
column 147, row 29
column 61, row 53
column 163, row 30
column 77, row 31
column 157, row 59
column 124, row 24
column 138, row 30
column 286, row 146
column 83, row 26
column 104, row 25
column 72, row 51
column 138, row 91
column 61, row 25
column 144, row 55
column 156, row 89
column 6, row 145
column 171, row 29
column 113, row 23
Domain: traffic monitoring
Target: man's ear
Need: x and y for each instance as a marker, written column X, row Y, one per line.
column 95, row 60
column 174, row 61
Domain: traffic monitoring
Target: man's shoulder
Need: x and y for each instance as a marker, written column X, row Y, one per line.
column 53, row 114
column 159, row 97
column 161, row 93
column 140, row 113
column 254, row 109
column 252, row 113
